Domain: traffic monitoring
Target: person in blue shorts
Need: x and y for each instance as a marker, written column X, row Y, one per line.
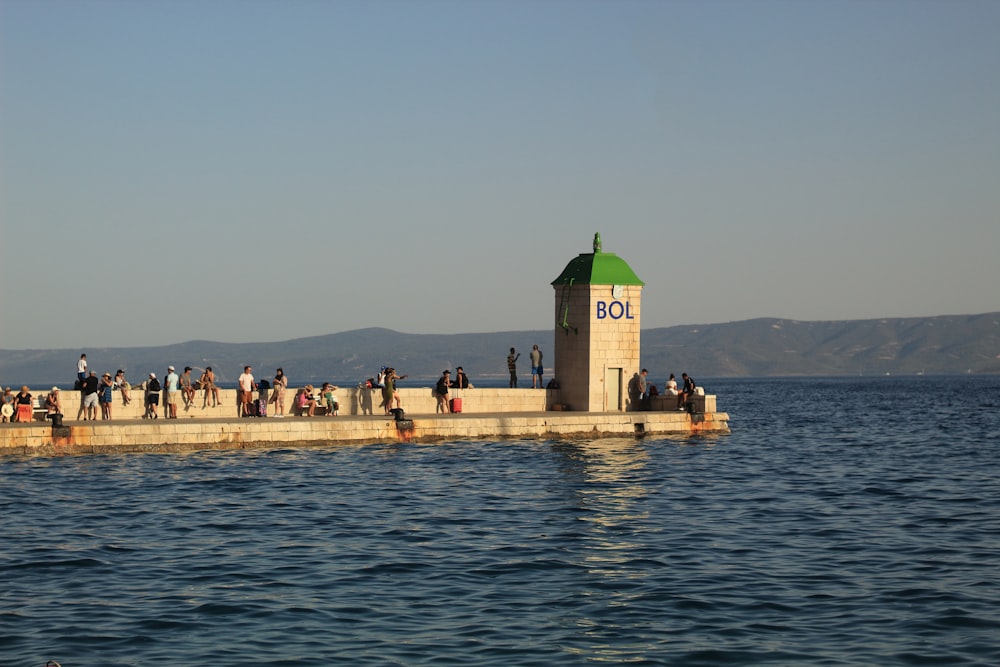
column 536, row 368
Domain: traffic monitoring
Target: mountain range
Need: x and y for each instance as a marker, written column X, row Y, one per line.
column 764, row 347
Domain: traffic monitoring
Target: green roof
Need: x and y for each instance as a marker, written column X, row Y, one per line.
column 598, row 268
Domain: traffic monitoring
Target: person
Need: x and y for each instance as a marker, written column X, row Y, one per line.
column 7, row 405
column 245, row 391
column 106, row 393
column 389, row 393
column 124, row 387
column 24, row 405
column 461, row 380
column 53, row 405
column 536, row 368
column 670, row 388
column 172, row 388
column 687, row 391
column 263, row 394
column 91, row 387
column 152, row 398
column 207, row 383
column 441, row 392
column 512, row 367
column 306, row 401
column 278, row 396
column 332, row 407
column 643, row 390
column 187, row 388
column 81, row 369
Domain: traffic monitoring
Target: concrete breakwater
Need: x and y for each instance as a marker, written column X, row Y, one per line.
column 490, row 414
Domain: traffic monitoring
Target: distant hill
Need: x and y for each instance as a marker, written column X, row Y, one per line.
column 752, row 348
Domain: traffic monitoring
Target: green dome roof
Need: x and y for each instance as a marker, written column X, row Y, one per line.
column 597, row 268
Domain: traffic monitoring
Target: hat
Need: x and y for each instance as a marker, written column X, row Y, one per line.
column 55, row 388
column 152, row 375
column 170, row 368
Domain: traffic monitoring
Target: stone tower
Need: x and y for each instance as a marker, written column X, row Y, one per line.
column 597, row 299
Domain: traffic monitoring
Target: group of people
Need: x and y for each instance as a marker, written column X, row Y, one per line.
column 536, row 367
column 445, row 383
column 646, row 390
column 176, row 388
column 20, row 407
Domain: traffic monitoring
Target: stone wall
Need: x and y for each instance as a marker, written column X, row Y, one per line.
column 352, row 402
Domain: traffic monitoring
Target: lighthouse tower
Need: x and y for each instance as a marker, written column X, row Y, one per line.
column 597, row 300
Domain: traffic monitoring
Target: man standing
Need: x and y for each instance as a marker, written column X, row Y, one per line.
column 90, row 388
column 245, row 391
column 172, row 388
column 512, row 367
column 536, row 368
column 152, row 397
column 81, row 369
column 643, row 390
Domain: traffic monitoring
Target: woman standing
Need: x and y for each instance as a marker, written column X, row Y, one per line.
column 278, row 397
column 107, row 391
column 441, row 391
column 389, row 393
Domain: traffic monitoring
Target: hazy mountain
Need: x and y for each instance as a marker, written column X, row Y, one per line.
column 751, row 348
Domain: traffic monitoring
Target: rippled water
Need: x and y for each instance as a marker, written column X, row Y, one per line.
column 842, row 522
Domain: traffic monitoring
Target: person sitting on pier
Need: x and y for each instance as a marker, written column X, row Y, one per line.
column 461, row 380
column 670, row 388
column 53, row 406
column 187, row 388
column 122, row 384
column 7, row 405
column 306, row 402
column 207, row 383
column 332, row 407
column 24, row 404
column 687, row 391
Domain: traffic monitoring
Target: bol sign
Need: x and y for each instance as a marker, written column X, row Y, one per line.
column 615, row 310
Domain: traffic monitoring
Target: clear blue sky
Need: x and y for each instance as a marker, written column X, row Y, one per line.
column 259, row 170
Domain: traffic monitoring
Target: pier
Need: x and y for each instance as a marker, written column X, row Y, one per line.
column 488, row 414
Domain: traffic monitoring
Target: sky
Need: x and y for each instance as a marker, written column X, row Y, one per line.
column 262, row 170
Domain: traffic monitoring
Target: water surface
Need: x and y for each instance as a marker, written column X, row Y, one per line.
column 842, row 522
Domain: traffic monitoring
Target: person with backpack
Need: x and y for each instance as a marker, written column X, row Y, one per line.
column 152, row 397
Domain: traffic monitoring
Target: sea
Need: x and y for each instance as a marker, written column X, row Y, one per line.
column 843, row 521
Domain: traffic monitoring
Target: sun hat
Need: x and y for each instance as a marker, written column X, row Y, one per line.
column 55, row 388
column 170, row 368
column 152, row 375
